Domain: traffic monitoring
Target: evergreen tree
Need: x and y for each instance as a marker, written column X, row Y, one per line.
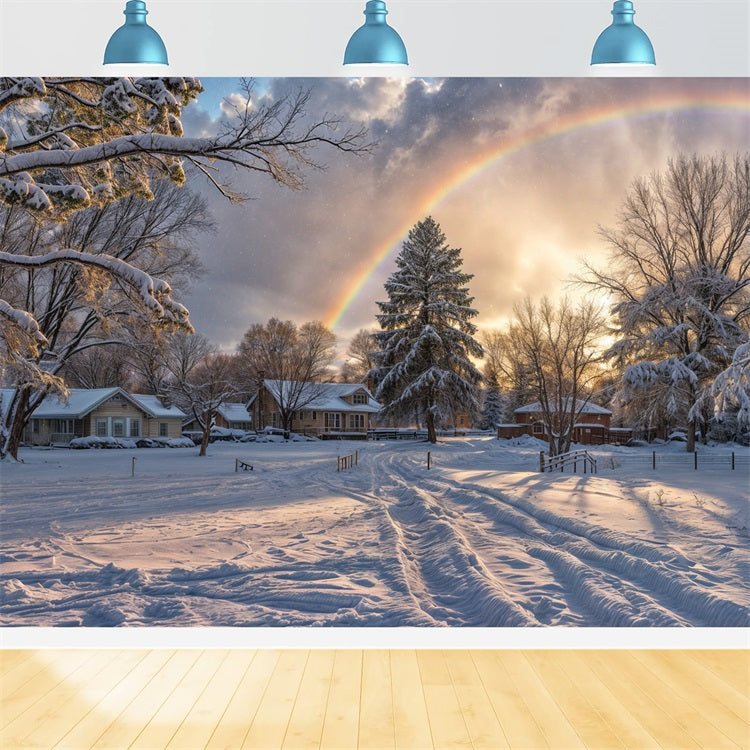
column 494, row 403
column 423, row 363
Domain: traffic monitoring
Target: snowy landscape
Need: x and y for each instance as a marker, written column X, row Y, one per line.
column 553, row 263
column 482, row 538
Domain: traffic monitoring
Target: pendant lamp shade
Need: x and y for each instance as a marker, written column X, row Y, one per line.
column 135, row 41
column 623, row 42
column 375, row 41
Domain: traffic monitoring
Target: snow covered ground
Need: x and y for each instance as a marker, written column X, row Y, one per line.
column 481, row 539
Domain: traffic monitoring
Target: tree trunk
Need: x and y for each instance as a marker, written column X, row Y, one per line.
column 691, row 436
column 431, row 434
column 204, row 439
column 19, row 422
column 552, row 447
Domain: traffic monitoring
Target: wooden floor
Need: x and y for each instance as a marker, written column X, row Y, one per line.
column 374, row 699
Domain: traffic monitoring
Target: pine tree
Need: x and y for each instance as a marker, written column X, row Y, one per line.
column 423, row 364
column 494, row 404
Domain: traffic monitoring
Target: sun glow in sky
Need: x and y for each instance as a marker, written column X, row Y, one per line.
column 519, row 173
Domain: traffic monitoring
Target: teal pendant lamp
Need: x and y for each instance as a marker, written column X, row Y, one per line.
column 135, row 41
column 623, row 42
column 375, row 42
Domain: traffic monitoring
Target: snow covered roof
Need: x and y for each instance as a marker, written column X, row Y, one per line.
column 83, row 401
column 588, row 408
column 234, row 412
column 78, row 405
column 324, row 396
column 153, row 405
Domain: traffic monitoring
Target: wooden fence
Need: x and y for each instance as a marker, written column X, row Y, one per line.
column 697, row 461
column 572, row 459
column 346, row 462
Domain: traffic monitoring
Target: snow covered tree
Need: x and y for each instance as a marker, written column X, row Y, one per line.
column 423, row 361
column 560, row 346
column 493, row 405
column 359, row 360
column 67, row 144
column 679, row 275
column 80, row 310
column 297, row 358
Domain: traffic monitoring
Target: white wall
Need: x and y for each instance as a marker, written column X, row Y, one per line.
column 307, row 37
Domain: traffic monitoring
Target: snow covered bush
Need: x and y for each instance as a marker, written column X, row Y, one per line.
column 92, row 441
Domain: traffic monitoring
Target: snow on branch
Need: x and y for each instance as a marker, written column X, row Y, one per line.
column 154, row 293
column 23, row 88
column 731, row 388
column 24, row 321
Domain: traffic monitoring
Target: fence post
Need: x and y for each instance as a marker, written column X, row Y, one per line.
column 132, row 466
column 732, row 460
column 236, row 465
column 356, row 458
column 695, row 459
column 338, row 463
column 575, row 465
column 428, row 459
column 585, row 456
column 541, row 461
column 653, row 459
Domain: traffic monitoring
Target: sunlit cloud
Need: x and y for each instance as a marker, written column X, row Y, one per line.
column 524, row 221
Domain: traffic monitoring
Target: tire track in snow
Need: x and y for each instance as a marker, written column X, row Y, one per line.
column 576, row 553
column 441, row 570
column 583, row 589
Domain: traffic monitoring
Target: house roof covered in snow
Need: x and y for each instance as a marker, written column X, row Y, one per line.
column 154, row 406
column 234, row 412
column 83, row 401
column 80, row 402
column 588, row 408
column 323, row 396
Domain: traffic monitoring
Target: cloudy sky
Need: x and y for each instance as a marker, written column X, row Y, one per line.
column 518, row 172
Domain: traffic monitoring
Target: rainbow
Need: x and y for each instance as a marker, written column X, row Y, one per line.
column 578, row 121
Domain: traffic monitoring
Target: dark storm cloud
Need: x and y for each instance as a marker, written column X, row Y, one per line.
column 523, row 224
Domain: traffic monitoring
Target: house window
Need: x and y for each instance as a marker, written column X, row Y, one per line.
column 64, row 426
column 101, row 427
column 135, row 428
column 163, row 429
column 538, row 428
column 360, row 398
column 35, row 425
column 357, row 421
column 118, row 427
column 314, row 416
column 333, row 420
column 274, row 419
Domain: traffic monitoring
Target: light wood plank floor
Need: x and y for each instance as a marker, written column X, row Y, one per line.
column 375, row 699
